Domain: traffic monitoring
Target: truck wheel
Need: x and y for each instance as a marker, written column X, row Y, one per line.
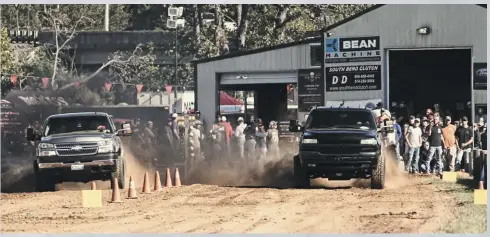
column 119, row 173
column 301, row 178
column 44, row 181
column 378, row 174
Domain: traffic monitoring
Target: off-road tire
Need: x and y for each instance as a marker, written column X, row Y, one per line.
column 44, row 181
column 119, row 173
column 379, row 173
column 301, row 178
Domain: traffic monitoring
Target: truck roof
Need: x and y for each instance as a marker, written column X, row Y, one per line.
column 66, row 115
column 324, row 108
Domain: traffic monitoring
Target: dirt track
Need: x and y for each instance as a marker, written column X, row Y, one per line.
column 408, row 205
column 414, row 208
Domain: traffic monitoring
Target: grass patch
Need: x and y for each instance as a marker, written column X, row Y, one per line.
column 468, row 217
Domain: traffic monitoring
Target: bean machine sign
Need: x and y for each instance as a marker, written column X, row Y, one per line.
column 310, row 89
column 346, row 50
column 353, row 78
column 480, row 76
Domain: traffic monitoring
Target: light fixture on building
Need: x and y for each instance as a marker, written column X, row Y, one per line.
column 423, row 30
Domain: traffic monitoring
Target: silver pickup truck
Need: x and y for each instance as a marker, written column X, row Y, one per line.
column 79, row 147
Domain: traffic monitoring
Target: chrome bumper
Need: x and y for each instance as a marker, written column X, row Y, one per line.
column 68, row 165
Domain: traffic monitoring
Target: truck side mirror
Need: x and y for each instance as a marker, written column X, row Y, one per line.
column 125, row 130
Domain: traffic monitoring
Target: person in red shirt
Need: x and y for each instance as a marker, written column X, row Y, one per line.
column 228, row 133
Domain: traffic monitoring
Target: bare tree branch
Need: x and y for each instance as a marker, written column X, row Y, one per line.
column 117, row 61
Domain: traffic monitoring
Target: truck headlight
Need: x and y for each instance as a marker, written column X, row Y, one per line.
column 46, row 153
column 309, row 141
column 106, row 146
column 370, row 141
column 105, row 143
column 45, row 146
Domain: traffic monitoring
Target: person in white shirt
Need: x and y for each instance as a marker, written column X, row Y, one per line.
column 196, row 138
column 273, row 138
column 414, row 141
column 240, row 135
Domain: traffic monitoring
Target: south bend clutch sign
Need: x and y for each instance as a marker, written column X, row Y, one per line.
column 358, row 49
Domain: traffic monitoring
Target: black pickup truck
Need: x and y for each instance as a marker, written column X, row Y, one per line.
column 339, row 144
column 78, row 147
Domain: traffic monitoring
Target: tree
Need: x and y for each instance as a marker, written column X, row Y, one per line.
column 31, row 16
column 210, row 30
column 63, row 32
column 7, row 64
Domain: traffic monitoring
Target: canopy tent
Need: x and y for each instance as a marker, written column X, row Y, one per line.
column 225, row 99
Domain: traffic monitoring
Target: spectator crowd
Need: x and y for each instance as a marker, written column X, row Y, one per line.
column 431, row 144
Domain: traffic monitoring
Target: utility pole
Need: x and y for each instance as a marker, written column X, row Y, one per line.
column 106, row 18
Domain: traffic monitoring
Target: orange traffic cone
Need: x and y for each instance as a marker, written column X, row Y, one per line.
column 158, row 183
column 480, row 185
column 132, row 189
column 146, row 185
column 168, row 179
column 93, row 186
column 177, row 178
column 116, row 195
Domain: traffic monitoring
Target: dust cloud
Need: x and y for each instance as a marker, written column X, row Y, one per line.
column 18, row 176
column 134, row 168
column 278, row 173
column 274, row 172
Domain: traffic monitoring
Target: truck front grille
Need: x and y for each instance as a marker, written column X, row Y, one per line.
column 77, row 149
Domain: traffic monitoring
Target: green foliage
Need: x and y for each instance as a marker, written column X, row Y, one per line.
column 206, row 34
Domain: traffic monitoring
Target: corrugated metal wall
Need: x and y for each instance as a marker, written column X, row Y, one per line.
column 452, row 25
column 280, row 60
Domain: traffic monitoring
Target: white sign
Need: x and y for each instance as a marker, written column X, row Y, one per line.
column 358, row 49
column 43, row 100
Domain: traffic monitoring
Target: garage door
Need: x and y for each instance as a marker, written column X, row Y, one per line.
column 258, row 78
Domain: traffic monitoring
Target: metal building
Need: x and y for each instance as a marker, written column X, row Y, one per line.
column 452, row 26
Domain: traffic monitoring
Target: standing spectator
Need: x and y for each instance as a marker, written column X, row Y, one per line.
column 175, row 128
column 477, row 136
column 398, row 137
column 250, row 142
column 170, row 137
column 435, row 142
column 196, row 138
column 273, row 137
column 414, row 141
column 411, row 121
column 228, row 133
column 464, row 137
column 450, row 144
column 240, row 135
column 261, row 138
column 425, row 129
column 217, row 138
column 437, row 110
column 428, row 113
column 480, row 114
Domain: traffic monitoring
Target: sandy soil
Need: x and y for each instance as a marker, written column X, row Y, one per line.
column 408, row 205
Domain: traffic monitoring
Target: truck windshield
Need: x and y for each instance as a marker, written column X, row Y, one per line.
column 340, row 119
column 76, row 124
